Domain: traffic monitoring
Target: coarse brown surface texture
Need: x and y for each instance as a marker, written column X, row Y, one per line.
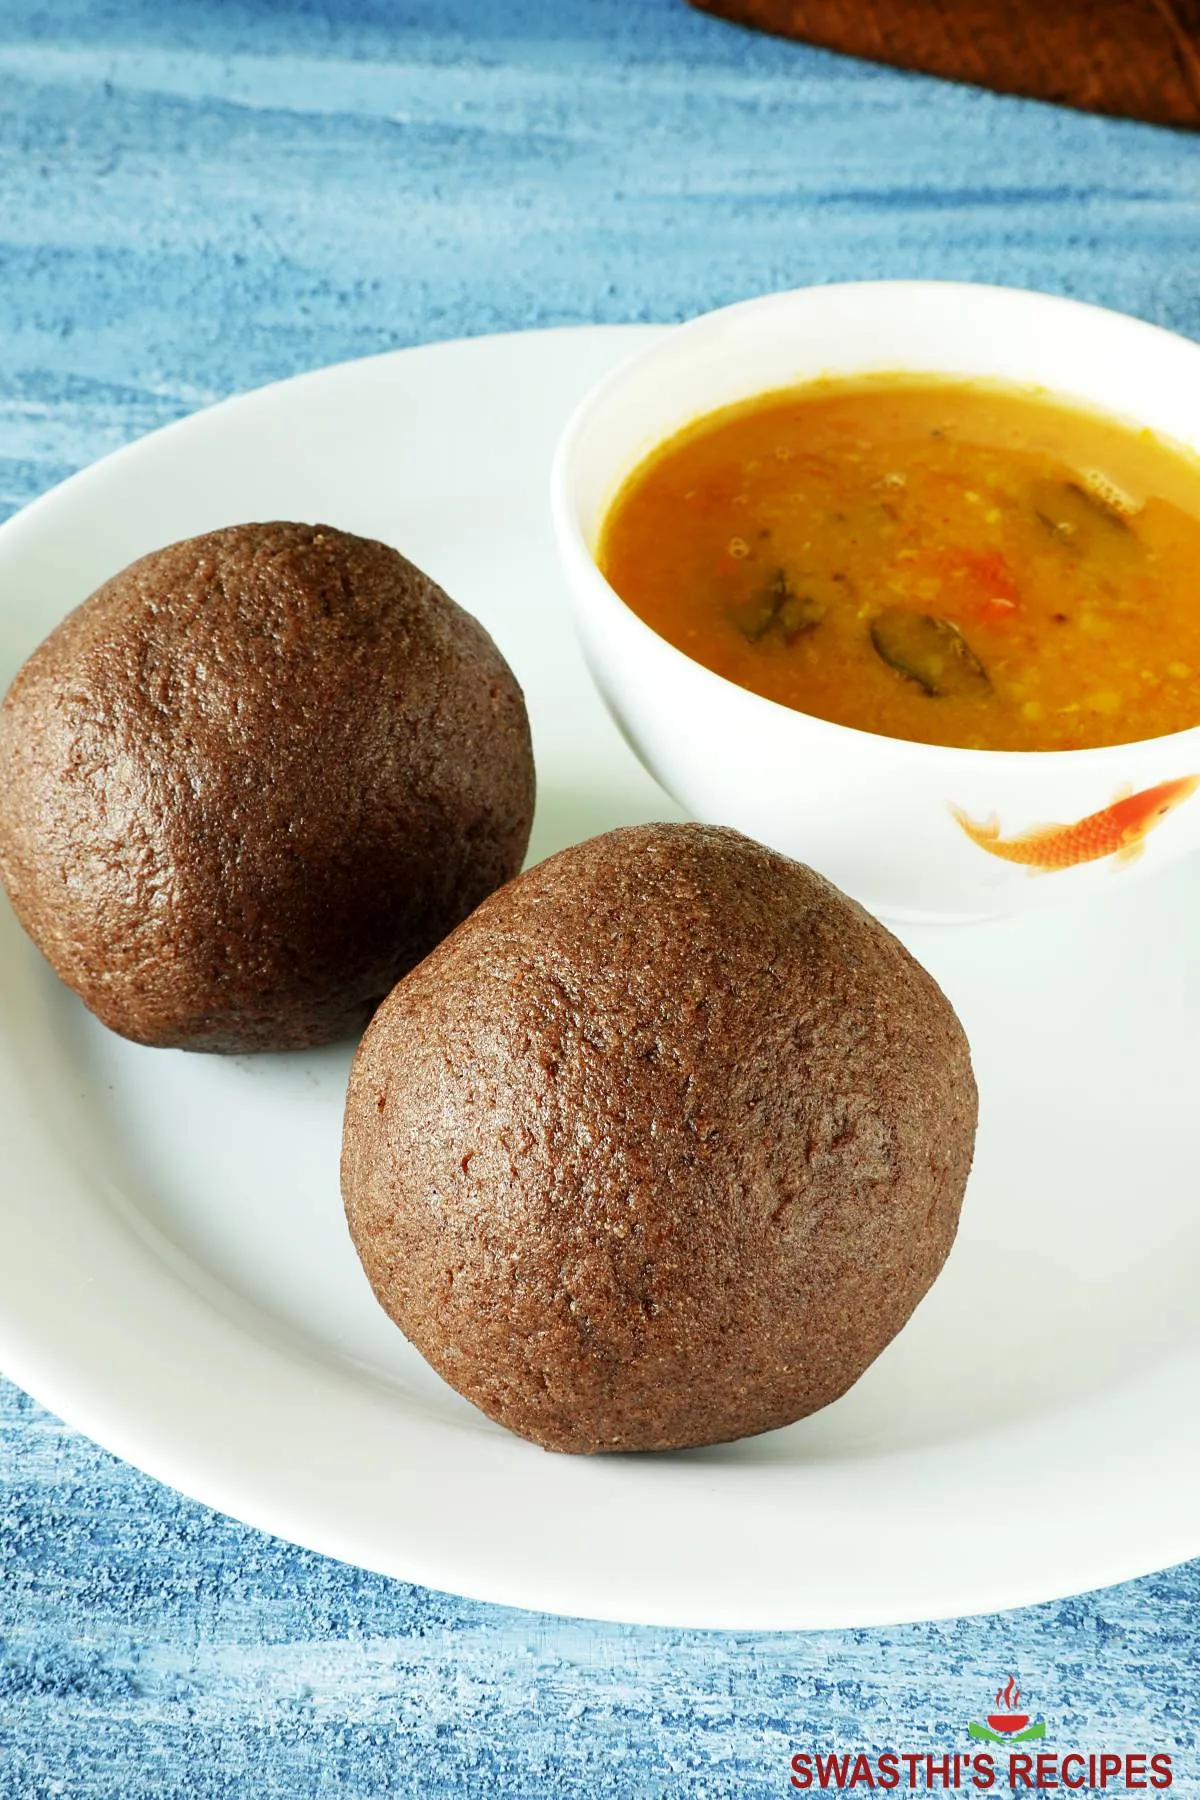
column 254, row 779
column 661, row 1147
column 1138, row 59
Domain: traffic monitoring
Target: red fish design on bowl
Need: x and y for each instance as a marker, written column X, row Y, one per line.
column 1009, row 1695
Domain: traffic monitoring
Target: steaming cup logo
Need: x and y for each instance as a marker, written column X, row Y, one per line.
column 1006, row 1725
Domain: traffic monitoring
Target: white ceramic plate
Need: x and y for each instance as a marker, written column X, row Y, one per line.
column 176, row 1279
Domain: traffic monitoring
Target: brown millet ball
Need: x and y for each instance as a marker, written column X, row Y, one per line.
column 661, row 1147
column 252, row 781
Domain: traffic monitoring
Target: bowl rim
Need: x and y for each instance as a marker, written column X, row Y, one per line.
column 571, row 540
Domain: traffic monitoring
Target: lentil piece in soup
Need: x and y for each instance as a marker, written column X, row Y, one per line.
column 957, row 563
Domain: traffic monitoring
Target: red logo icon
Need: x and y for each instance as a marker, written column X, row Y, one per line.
column 1008, row 1696
column 1006, row 1724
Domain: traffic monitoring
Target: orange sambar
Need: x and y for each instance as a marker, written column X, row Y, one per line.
column 959, row 563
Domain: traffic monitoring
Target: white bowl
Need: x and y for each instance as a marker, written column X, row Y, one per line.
column 880, row 816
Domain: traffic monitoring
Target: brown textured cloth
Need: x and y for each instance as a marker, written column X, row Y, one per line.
column 1138, row 59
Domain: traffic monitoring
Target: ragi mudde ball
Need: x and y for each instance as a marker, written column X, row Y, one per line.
column 254, row 779
column 661, row 1147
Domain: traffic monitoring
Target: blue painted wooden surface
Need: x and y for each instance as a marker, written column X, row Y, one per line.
column 208, row 194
